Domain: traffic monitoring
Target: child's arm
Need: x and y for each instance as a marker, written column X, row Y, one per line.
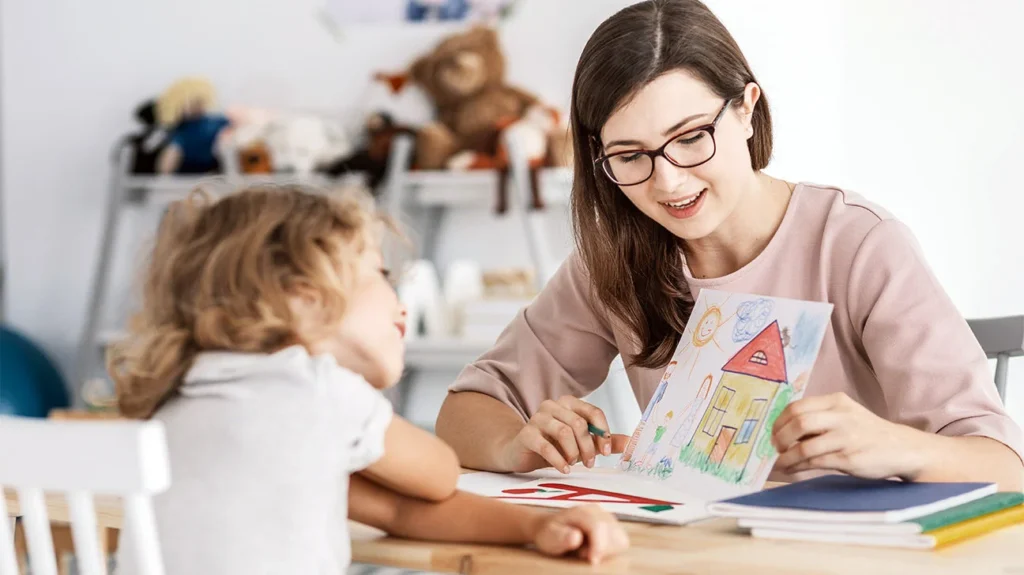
column 415, row 463
column 588, row 530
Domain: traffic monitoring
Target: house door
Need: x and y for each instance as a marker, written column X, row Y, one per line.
column 722, row 444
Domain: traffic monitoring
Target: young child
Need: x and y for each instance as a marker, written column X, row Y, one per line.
column 266, row 331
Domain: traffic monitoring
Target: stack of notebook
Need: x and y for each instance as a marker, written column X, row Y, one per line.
column 842, row 509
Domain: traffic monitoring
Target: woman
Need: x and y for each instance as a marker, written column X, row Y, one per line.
column 672, row 133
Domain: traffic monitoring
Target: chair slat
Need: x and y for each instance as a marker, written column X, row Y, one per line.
column 8, row 555
column 141, row 523
column 37, row 531
column 84, row 530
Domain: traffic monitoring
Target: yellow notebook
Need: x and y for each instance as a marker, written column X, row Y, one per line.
column 977, row 526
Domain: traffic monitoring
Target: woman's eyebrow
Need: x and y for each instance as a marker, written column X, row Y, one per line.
column 681, row 123
column 666, row 133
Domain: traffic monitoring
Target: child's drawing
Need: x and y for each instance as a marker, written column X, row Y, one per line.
column 720, row 444
column 648, row 461
column 627, row 455
column 702, row 333
column 626, row 496
column 692, row 409
column 554, row 491
column 751, row 319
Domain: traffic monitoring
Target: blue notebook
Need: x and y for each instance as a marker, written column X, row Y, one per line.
column 841, row 498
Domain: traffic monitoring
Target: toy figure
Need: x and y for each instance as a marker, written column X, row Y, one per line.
column 195, row 131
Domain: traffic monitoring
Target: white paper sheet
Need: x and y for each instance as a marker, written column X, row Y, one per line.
column 628, row 497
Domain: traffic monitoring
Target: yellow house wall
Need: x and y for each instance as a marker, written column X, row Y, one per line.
column 747, row 389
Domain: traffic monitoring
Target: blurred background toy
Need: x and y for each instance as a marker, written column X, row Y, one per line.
column 372, row 157
column 476, row 110
column 147, row 144
column 303, row 143
column 186, row 111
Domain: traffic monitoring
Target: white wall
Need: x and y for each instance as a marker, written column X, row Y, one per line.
column 912, row 103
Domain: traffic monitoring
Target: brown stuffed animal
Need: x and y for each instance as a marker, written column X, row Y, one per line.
column 465, row 77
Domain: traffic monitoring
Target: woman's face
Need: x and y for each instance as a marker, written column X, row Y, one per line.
column 689, row 202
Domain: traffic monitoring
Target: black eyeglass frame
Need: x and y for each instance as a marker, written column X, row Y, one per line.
column 653, row 154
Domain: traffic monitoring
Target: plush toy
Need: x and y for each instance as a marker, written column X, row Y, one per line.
column 147, row 144
column 372, row 158
column 464, row 76
column 304, row 143
column 254, row 158
column 185, row 109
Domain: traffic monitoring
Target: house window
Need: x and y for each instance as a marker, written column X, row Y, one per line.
column 719, row 405
column 759, row 357
column 754, row 414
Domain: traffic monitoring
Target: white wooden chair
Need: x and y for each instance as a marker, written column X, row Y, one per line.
column 122, row 458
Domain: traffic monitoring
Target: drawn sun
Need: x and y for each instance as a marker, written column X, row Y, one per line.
column 710, row 322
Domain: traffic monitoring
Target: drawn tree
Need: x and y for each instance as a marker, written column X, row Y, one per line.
column 764, row 449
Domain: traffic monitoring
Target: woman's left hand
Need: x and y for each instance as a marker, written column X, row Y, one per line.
column 834, row 432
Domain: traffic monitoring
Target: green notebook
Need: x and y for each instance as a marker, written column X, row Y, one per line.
column 977, row 508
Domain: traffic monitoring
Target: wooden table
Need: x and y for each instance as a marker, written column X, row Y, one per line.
column 711, row 547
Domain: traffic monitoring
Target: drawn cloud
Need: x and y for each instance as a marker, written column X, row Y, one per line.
column 751, row 317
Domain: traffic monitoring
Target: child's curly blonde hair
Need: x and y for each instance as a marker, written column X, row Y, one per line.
column 221, row 276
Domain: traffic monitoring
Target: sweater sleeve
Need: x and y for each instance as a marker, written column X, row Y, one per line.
column 557, row 345
column 932, row 371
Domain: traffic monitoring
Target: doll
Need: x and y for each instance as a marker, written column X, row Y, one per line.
column 195, row 131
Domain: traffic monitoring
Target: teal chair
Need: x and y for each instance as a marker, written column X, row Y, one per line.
column 30, row 384
column 1001, row 338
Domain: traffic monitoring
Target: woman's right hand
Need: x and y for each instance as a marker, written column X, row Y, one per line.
column 557, row 435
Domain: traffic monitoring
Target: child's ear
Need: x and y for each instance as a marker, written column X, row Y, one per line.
column 304, row 302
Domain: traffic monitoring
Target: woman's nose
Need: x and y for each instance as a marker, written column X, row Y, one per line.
column 667, row 176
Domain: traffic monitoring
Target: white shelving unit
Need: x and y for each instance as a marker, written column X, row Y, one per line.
column 421, row 199
column 424, row 196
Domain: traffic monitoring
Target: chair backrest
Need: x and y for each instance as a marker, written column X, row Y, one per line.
column 1001, row 338
column 80, row 458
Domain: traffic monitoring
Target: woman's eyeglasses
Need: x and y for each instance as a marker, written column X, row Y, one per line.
column 687, row 150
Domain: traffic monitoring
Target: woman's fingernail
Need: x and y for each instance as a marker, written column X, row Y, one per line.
column 590, row 463
column 607, row 449
column 565, row 469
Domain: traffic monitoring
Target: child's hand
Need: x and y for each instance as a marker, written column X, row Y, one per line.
column 590, row 531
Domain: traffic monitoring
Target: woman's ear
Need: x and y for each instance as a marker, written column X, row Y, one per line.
column 751, row 94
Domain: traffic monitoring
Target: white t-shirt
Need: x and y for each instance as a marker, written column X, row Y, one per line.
column 261, row 448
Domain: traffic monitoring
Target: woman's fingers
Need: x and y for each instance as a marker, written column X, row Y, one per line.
column 534, row 440
column 593, row 415
column 809, row 450
column 560, row 433
column 565, row 411
column 618, row 443
column 803, row 425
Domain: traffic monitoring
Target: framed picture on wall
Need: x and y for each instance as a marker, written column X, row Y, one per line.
column 355, row 12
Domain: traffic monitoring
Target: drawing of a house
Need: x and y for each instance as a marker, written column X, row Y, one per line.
column 734, row 417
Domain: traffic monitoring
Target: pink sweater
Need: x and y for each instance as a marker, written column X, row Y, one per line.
column 896, row 342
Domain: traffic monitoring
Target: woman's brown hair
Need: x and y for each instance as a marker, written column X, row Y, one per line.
column 634, row 263
column 221, row 275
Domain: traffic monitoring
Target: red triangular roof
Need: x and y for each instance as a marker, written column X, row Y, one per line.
column 769, row 343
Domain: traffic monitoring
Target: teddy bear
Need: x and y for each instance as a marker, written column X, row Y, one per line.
column 464, row 76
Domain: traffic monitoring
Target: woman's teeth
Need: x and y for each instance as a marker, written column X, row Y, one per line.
column 684, row 203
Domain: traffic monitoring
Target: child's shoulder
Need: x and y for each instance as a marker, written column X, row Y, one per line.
column 291, row 373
